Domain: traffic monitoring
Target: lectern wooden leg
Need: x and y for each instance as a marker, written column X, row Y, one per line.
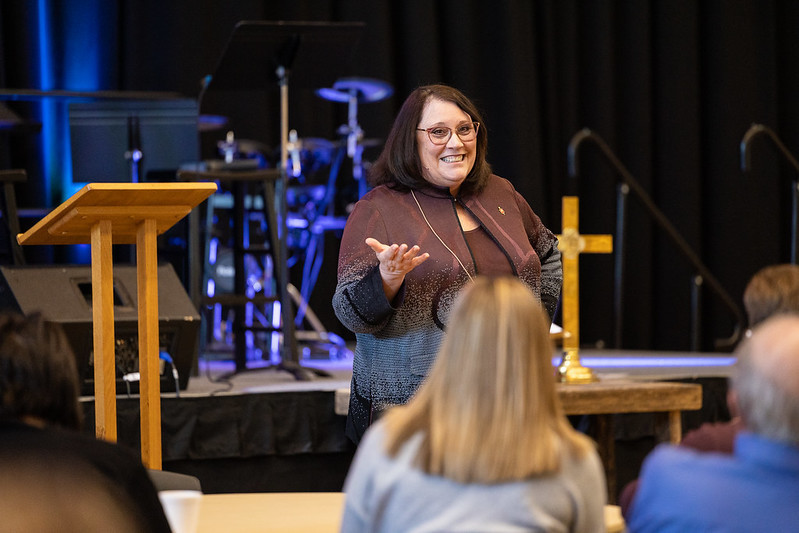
column 150, row 384
column 103, row 318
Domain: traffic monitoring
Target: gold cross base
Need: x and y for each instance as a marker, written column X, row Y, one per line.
column 571, row 370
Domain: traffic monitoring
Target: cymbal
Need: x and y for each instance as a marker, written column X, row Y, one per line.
column 371, row 143
column 314, row 144
column 251, row 146
column 364, row 89
column 211, row 122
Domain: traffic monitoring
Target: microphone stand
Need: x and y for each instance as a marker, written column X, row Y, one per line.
column 134, row 153
column 746, row 164
column 629, row 183
column 289, row 356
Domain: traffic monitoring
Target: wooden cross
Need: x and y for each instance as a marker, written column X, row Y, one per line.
column 571, row 244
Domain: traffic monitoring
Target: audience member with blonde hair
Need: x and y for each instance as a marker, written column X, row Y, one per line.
column 755, row 488
column 484, row 444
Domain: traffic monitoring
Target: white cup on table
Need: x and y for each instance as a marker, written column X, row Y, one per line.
column 182, row 509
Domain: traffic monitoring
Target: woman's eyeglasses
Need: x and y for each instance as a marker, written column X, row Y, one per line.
column 441, row 134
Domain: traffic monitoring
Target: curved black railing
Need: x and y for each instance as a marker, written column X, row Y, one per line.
column 746, row 164
column 703, row 274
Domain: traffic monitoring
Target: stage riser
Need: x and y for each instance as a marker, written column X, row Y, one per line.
column 294, row 441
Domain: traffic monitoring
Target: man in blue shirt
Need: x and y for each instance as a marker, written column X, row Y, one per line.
column 756, row 488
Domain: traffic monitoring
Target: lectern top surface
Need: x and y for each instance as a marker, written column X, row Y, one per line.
column 125, row 205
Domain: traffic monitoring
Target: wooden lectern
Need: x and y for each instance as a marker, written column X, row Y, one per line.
column 122, row 213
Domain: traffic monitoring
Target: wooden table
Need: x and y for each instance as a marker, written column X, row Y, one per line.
column 604, row 399
column 611, row 397
column 300, row 512
column 286, row 512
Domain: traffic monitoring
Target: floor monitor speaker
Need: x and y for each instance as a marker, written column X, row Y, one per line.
column 63, row 294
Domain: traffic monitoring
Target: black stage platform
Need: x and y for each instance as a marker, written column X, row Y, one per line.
column 264, row 431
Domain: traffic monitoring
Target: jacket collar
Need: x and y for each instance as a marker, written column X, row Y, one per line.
column 435, row 192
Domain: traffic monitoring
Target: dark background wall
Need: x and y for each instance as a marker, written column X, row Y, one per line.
column 671, row 86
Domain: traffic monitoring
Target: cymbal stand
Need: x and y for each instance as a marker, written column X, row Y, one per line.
column 352, row 91
column 354, row 135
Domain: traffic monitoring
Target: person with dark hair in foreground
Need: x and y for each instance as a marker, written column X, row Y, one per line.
column 484, row 444
column 755, row 488
column 55, row 493
column 436, row 218
column 40, row 420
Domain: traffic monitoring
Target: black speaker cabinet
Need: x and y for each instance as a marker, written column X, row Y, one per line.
column 63, row 294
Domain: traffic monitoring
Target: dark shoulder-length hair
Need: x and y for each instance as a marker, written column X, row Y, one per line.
column 399, row 166
column 38, row 374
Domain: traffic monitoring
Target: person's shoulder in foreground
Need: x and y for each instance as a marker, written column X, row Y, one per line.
column 755, row 488
column 49, row 492
column 41, row 417
column 393, row 495
column 772, row 290
column 113, row 461
column 682, row 489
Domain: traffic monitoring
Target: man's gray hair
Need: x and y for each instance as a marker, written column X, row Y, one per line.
column 767, row 409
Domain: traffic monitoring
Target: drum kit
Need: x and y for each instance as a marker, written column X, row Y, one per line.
column 315, row 197
column 310, row 157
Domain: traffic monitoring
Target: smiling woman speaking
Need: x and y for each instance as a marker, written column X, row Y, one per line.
column 436, row 218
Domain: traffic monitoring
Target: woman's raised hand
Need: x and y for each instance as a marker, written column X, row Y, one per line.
column 396, row 260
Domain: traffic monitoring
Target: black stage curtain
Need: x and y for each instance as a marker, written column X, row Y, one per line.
column 671, row 86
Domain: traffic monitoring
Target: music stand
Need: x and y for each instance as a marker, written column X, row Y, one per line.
column 260, row 54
